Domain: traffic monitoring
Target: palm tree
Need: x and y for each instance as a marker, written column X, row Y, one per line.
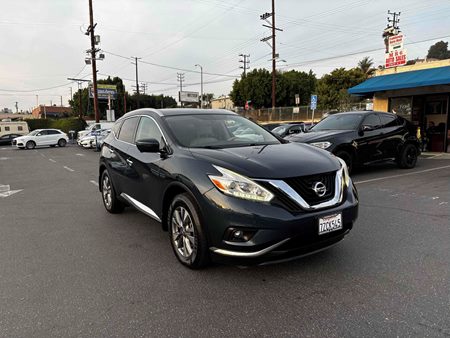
column 366, row 66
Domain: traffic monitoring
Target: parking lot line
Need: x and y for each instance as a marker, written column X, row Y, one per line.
column 52, row 160
column 401, row 175
column 67, row 168
column 94, row 183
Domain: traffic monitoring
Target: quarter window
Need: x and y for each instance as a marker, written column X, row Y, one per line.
column 128, row 128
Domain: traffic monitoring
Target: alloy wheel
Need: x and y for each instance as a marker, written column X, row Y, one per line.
column 106, row 191
column 183, row 233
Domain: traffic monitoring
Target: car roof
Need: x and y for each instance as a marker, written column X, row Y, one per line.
column 180, row 111
column 365, row 112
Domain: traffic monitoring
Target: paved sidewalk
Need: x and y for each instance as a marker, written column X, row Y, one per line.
column 435, row 156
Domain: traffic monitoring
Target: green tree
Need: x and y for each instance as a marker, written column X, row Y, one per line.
column 332, row 88
column 439, row 51
column 150, row 101
column 75, row 102
column 366, row 66
column 207, row 97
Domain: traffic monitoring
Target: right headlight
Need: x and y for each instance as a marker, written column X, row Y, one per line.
column 236, row 185
column 321, row 145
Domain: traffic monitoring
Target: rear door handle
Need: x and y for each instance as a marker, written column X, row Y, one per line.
column 130, row 162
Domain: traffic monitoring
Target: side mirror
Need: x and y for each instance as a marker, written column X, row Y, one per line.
column 367, row 128
column 148, row 145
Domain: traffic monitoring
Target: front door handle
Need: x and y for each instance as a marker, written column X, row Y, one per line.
column 130, row 162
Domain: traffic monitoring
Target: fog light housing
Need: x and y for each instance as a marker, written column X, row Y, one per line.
column 238, row 235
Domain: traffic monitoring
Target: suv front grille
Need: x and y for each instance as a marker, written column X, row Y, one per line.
column 303, row 185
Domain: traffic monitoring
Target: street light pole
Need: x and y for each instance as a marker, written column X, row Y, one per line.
column 201, row 85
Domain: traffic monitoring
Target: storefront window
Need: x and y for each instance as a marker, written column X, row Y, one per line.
column 401, row 106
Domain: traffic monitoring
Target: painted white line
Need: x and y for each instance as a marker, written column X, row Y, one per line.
column 79, row 154
column 401, row 175
column 67, row 168
column 4, row 148
column 435, row 156
column 94, row 183
column 4, row 158
column 52, row 160
column 41, row 154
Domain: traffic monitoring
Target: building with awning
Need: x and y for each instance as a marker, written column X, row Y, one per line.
column 420, row 93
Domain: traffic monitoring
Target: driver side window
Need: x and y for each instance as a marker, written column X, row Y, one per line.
column 149, row 129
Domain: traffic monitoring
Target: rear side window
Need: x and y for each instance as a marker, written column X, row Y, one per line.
column 388, row 121
column 52, row 132
column 372, row 120
column 126, row 133
column 116, row 128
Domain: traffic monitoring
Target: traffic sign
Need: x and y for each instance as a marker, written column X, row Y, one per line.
column 313, row 101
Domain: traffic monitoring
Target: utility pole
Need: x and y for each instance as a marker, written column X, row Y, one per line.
column 93, row 51
column 201, row 85
column 245, row 61
column 273, row 28
column 71, row 96
column 137, row 81
column 180, row 77
column 17, row 107
column 80, row 82
column 392, row 27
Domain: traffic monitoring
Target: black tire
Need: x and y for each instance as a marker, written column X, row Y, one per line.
column 109, row 196
column 62, row 143
column 347, row 157
column 30, row 145
column 186, row 232
column 408, row 156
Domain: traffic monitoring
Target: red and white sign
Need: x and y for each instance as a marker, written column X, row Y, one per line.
column 395, row 42
column 396, row 58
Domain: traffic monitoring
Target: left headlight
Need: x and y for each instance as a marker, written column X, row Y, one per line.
column 345, row 174
column 236, row 185
column 321, row 145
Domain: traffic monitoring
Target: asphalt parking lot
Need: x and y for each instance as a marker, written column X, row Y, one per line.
column 70, row 269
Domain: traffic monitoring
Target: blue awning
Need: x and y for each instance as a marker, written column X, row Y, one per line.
column 417, row 78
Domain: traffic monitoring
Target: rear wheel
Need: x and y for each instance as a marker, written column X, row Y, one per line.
column 30, row 145
column 186, row 233
column 408, row 157
column 109, row 197
column 62, row 143
column 347, row 157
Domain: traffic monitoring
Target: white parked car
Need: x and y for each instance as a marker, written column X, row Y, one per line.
column 41, row 137
column 94, row 127
column 89, row 141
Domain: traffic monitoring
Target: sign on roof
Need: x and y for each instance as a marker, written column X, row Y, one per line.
column 396, row 58
column 395, row 42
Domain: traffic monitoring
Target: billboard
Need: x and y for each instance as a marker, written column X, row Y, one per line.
column 188, row 97
column 395, row 42
column 104, row 91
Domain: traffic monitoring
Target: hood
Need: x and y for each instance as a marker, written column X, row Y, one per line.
column 271, row 161
column 314, row 136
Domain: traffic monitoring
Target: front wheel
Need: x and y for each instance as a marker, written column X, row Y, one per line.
column 408, row 157
column 186, row 233
column 62, row 143
column 30, row 145
column 110, row 201
column 347, row 157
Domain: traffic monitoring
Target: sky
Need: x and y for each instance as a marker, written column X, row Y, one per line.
column 43, row 41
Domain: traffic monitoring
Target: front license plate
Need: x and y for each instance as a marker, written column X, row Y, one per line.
column 330, row 223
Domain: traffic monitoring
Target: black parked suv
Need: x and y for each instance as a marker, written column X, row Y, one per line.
column 224, row 187
column 365, row 137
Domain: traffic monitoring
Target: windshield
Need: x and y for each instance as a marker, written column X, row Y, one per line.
column 34, row 132
column 349, row 121
column 217, row 131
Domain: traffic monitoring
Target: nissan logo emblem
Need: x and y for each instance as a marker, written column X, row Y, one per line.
column 319, row 188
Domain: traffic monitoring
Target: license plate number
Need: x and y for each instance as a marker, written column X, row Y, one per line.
column 330, row 223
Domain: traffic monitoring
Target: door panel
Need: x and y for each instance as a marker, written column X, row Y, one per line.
column 369, row 142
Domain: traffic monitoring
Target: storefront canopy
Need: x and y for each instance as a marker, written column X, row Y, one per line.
column 418, row 78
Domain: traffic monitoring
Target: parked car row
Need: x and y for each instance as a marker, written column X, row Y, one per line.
column 93, row 139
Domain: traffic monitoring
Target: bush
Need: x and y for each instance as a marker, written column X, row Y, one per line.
column 64, row 124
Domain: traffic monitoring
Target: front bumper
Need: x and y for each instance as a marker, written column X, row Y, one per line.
column 279, row 233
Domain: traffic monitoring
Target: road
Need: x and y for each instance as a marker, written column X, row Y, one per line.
column 70, row 269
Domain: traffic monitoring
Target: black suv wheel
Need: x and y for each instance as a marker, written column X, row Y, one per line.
column 408, row 156
column 110, row 201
